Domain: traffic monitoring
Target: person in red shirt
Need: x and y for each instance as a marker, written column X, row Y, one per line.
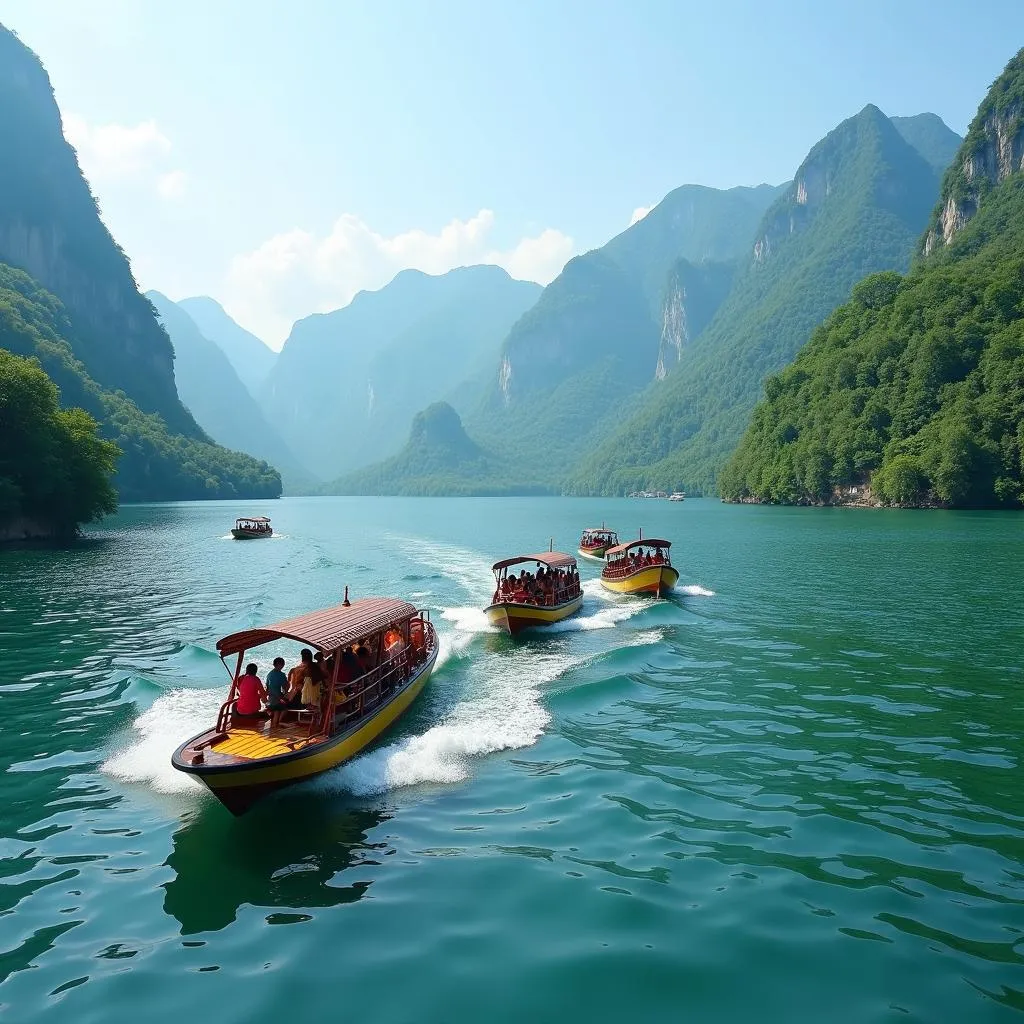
column 252, row 695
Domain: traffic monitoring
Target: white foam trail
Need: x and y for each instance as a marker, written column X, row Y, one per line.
column 468, row 619
column 508, row 716
column 173, row 718
column 417, row 594
column 694, row 590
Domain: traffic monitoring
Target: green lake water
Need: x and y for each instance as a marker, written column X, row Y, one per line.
column 792, row 792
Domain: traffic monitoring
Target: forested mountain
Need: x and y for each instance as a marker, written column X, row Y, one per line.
column 931, row 137
column 347, row 384
column 219, row 401
column 251, row 358
column 77, row 307
column 856, row 205
column 155, row 464
column 913, row 392
column 595, row 337
column 439, row 458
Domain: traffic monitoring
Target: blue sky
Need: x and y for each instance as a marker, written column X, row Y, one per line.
column 281, row 156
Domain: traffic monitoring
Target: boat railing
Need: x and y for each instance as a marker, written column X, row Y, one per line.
column 365, row 693
column 620, row 570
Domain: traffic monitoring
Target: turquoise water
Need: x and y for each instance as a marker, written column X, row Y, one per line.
column 790, row 793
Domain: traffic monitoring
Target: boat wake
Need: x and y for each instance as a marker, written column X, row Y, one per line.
column 146, row 755
column 693, row 590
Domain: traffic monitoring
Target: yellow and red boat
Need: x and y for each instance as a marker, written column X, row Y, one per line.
column 596, row 540
column 534, row 598
column 639, row 567
column 241, row 759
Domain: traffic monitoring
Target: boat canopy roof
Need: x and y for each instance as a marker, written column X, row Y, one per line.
column 600, row 529
column 252, row 519
column 552, row 559
column 325, row 630
column 652, row 542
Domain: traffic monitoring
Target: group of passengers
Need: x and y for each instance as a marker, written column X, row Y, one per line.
column 547, row 587
column 256, row 526
column 303, row 687
column 595, row 540
column 639, row 559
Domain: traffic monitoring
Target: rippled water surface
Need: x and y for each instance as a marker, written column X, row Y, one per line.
column 792, row 792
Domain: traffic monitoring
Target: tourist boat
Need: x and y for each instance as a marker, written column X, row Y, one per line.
column 639, row 567
column 514, row 608
column 241, row 760
column 596, row 540
column 677, row 496
column 252, row 528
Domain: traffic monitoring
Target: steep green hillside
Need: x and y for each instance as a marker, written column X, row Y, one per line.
column 251, row 358
column 77, row 306
column 857, row 203
column 347, row 384
column 439, row 458
column 931, row 137
column 598, row 334
column 155, row 464
column 54, row 469
column 915, row 388
column 219, row 401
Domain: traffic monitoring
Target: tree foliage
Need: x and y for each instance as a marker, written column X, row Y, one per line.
column 55, row 469
column 156, row 464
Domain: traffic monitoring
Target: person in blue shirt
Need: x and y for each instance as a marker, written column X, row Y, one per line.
column 277, row 688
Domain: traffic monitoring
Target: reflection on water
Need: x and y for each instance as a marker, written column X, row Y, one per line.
column 285, row 855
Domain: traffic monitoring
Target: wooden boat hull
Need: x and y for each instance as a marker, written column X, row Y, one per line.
column 652, row 579
column 238, row 785
column 514, row 617
column 595, row 554
column 251, row 534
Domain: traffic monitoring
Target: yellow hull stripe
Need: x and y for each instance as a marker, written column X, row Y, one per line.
column 654, row 577
column 333, row 755
column 525, row 615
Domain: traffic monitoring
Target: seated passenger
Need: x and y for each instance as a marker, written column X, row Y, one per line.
column 312, row 688
column 365, row 658
column 251, row 696
column 297, row 678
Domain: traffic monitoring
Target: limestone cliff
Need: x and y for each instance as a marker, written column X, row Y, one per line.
column 50, row 227
column 992, row 151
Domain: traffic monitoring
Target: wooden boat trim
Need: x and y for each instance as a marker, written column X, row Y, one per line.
column 552, row 559
column 326, row 630
column 621, row 549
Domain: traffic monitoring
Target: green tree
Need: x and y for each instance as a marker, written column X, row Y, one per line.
column 55, row 470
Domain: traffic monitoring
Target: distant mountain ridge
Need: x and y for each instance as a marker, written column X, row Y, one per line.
column 857, row 204
column 348, row 383
column 213, row 392
column 68, row 298
column 912, row 393
column 252, row 358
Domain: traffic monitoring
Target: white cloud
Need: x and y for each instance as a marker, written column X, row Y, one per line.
column 172, row 184
column 112, row 154
column 640, row 212
column 297, row 273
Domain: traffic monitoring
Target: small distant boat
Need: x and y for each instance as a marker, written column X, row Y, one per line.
column 677, row 496
column 639, row 567
column 242, row 759
column 596, row 540
column 534, row 598
column 252, row 528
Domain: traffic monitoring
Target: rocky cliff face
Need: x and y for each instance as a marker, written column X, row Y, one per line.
column 692, row 297
column 991, row 153
column 50, row 227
